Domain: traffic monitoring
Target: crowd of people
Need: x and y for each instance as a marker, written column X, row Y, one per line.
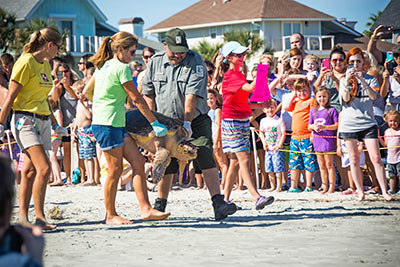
column 310, row 135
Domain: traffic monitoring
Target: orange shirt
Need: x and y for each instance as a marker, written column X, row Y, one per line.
column 301, row 115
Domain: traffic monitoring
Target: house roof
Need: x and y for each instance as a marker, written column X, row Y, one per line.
column 20, row 8
column 349, row 41
column 390, row 16
column 212, row 11
column 24, row 8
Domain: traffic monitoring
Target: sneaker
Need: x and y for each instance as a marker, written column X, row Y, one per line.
column 308, row 189
column 294, row 190
column 221, row 208
column 161, row 161
column 263, row 201
column 160, row 204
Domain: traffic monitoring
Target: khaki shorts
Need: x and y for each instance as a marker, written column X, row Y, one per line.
column 30, row 131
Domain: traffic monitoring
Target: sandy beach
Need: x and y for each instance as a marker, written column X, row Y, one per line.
column 303, row 229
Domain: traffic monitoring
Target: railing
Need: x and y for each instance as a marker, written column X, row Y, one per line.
column 83, row 44
column 313, row 42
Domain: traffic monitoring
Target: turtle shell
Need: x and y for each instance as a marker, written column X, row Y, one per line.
column 137, row 124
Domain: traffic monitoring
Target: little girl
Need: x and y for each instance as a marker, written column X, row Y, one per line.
column 392, row 141
column 323, row 122
column 214, row 103
column 235, row 121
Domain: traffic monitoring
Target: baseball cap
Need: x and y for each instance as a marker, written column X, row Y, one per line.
column 233, row 47
column 176, row 40
column 396, row 49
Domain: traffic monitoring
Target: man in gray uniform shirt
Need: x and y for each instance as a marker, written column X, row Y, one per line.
column 175, row 85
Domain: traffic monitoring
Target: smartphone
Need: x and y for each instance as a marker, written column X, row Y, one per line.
column 350, row 66
column 389, row 55
column 387, row 32
column 391, row 65
column 59, row 75
column 326, row 64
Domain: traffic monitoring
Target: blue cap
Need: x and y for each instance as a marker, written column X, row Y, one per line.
column 232, row 47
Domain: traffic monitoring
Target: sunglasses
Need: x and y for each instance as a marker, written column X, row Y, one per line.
column 338, row 60
column 65, row 71
column 58, row 46
column 147, row 57
column 238, row 55
column 81, row 63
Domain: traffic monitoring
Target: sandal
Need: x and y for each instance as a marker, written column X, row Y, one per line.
column 308, row 189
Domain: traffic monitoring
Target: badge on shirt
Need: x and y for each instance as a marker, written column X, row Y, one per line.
column 200, row 71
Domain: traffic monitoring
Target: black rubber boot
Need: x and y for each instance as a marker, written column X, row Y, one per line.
column 160, row 204
column 221, row 208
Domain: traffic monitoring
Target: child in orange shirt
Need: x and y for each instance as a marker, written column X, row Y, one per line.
column 300, row 105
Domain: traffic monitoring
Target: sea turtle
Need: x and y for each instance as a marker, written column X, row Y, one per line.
column 176, row 142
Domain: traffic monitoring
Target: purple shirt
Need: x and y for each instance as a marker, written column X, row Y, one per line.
column 324, row 117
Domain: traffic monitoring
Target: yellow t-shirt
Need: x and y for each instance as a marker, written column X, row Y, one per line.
column 36, row 82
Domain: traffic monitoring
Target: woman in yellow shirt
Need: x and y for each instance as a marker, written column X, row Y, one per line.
column 31, row 123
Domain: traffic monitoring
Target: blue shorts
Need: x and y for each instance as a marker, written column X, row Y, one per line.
column 301, row 161
column 274, row 161
column 109, row 137
column 86, row 146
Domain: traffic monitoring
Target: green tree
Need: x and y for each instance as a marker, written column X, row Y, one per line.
column 23, row 33
column 245, row 38
column 370, row 23
column 7, row 30
column 207, row 50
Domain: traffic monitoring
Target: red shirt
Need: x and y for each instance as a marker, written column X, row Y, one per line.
column 235, row 103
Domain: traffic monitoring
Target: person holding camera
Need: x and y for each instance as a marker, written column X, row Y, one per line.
column 380, row 33
column 19, row 246
column 391, row 81
column 357, row 92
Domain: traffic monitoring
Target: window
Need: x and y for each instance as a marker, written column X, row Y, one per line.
column 213, row 32
column 227, row 28
column 255, row 27
column 291, row 27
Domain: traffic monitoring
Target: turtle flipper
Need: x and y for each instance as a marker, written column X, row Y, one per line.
column 162, row 159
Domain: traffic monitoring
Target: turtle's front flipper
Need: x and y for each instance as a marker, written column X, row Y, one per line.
column 162, row 159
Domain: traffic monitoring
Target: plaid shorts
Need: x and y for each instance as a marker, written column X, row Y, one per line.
column 87, row 147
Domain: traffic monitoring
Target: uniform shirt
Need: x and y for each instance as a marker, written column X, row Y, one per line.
column 235, row 104
column 169, row 84
column 36, row 82
column 358, row 115
column 109, row 95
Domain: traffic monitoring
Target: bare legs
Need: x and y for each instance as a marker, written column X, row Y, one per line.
column 328, row 175
column 373, row 150
column 241, row 161
column 35, row 175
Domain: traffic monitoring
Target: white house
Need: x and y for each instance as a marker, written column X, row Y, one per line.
column 273, row 20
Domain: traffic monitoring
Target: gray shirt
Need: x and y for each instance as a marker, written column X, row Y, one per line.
column 358, row 115
column 169, row 84
column 68, row 107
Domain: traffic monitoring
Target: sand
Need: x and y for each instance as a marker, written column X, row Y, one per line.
column 303, row 229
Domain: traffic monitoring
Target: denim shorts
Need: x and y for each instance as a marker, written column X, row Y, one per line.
column 109, row 137
column 370, row 133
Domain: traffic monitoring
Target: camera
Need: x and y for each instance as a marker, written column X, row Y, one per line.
column 59, row 75
column 12, row 240
column 387, row 32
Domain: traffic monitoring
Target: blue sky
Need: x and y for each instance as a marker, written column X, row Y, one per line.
column 154, row 11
